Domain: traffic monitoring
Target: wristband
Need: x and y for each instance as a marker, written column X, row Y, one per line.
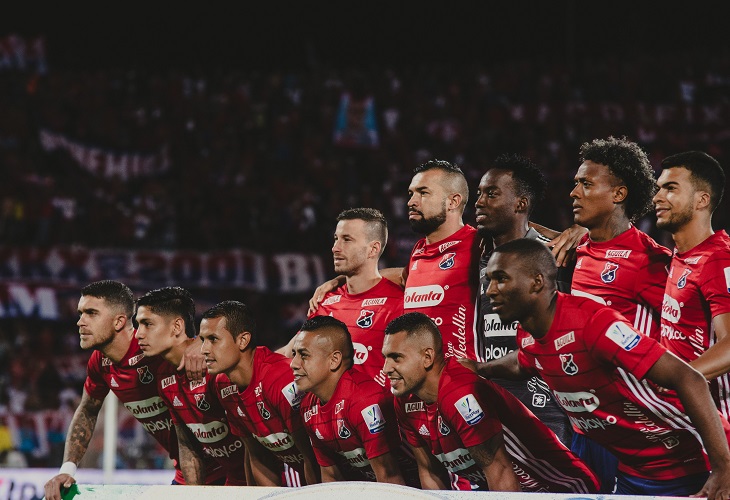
column 68, row 468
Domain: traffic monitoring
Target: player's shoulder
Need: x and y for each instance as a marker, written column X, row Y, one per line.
column 456, row 381
column 646, row 245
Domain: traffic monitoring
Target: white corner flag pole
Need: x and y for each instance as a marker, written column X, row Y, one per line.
column 111, row 413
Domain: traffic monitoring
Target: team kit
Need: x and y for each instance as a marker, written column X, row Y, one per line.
column 504, row 356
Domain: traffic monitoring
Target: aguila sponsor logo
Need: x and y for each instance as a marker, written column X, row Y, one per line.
column 168, row 381
column 135, row 359
column 670, row 309
column 227, row 391
column 212, row 432
column 147, row 407
column 423, row 296
column 413, row 407
column 448, row 244
column 374, row 302
column 334, row 299
column 618, row 254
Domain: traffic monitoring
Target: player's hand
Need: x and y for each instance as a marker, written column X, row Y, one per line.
column 717, row 486
column 563, row 246
column 52, row 489
column 468, row 363
column 193, row 363
column 321, row 291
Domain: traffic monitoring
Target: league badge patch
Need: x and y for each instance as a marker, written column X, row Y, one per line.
column 469, row 409
column 624, row 336
column 145, row 375
column 569, row 366
column 608, row 275
column 373, row 418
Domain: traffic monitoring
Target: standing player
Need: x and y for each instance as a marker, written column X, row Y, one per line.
column 256, row 387
column 475, row 428
column 166, row 319
column 348, row 416
column 594, row 361
column 367, row 302
column 117, row 363
column 506, row 196
column 696, row 312
column 618, row 265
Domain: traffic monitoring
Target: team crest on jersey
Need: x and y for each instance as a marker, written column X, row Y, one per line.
column 443, row 428
column 366, row 319
column 145, row 375
column 201, row 403
column 608, row 275
column 265, row 414
column 447, row 261
column 342, row 431
column 469, row 409
column 373, row 418
column 569, row 366
column 682, row 281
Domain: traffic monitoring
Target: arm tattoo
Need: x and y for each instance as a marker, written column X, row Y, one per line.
column 191, row 456
column 484, row 454
column 81, row 429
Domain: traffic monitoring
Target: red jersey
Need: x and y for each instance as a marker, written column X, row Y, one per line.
column 442, row 283
column 366, row 315
column 469, row 411
column 698, row 289
column 132, row 380
column 196, row 405
column 268, row 408
column 357, row 424
column 593, row 360
column 627, row 273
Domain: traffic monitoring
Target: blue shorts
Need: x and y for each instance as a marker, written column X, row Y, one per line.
column 599, row 459
column 680, row 487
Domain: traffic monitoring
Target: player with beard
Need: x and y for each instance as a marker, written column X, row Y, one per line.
column 506, row 196
column 117, row 364
column 256, row 388
column 349, row 418
column 366, row 302
column 596, row 364
column 166, row 328
column 695, row 322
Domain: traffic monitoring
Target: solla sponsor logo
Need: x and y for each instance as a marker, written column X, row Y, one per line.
column 423, row 296
column 147, row 407
column 211, row 432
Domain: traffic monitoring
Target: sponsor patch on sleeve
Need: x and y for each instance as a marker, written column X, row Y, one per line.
column 469, row 409
column 623, row 335
column 373, row 419
column 292, row 395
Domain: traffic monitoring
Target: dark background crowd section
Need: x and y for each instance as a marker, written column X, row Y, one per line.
column 274, row 119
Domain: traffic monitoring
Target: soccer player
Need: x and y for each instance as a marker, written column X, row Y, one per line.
column 117, row 364
column 348, row 416
column 256, row 388
column 617, row 264
column 208, row 449
column 475, row 428
column 506, row 196
column 695, row 322
column 366, row 302
column 595, row 361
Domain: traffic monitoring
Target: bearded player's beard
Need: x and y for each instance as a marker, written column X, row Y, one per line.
column 426, row 226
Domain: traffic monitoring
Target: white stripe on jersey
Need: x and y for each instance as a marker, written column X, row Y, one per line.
column 663, row 410
column 546, row 471
column 292, row 477
column 643, row 319
column 723, row 382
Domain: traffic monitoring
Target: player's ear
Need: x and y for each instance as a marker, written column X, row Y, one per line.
column 522, row 204
column 538, row 283
column 455, row 201
column 120, row 322
column 335, row 360
column 620, row 193
column 702, row 200
column 429, row 356
column 178, row 326
column 375, row 247
column 244, row 339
